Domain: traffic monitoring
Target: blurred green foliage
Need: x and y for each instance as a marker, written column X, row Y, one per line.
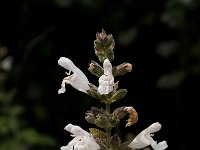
column 160, row 38
column 15, row 132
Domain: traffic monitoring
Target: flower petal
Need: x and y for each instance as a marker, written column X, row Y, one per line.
column 78, row 79
column 82, row 139
column 106, row 81
column 160, row 146
column 67, row 63
column 144, row 139
column 76, row 130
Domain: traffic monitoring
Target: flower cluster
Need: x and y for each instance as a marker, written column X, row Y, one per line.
column 107, row 92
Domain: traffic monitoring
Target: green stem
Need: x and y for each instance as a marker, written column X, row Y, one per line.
column 108, row 130
column 108, row 108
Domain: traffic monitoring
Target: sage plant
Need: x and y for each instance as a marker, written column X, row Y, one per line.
column 102, row 137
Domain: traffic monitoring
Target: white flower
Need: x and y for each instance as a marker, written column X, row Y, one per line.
column 78, row 79
column 144, row 139
column 82, row 139
column 106, row 81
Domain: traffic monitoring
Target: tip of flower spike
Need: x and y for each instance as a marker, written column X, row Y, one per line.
column 104, row 45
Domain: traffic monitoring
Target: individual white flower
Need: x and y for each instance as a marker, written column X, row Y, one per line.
column 144, row 139
column 78, row 79
column 106, row 81
column 82, row 139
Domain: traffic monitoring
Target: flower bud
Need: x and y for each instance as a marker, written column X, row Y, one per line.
column 118, row 95
column 122, row 69
column 98, row 133
column 95, row 69
column 90, row 117
column 104, row 45
column 120, row 113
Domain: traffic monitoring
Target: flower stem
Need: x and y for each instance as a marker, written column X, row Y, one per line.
column 108, row 130
column 108, row 107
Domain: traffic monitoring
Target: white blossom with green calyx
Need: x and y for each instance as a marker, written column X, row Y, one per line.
column 144, row 139
column 82, row 139
column 78, row 79
column 106, row 81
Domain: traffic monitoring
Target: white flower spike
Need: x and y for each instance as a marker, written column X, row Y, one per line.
column 144, row 139
column 82, row 139
column 106, row 81
column 78, row 79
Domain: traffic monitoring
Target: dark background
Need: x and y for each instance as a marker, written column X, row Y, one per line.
column 159, row 38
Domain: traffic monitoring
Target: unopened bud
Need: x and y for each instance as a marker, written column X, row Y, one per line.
column 102, row 121
column 122, row 69
column 95, row 69
column 120, row 112
column 96, row 133
column 118, row 95
column 101, row 36
column 109, row 53
column 90, row 117
column 104, row 45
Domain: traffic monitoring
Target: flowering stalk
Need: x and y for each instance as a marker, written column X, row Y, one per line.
column 107, row 92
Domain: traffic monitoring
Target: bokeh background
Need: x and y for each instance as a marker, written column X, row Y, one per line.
column 160, row 38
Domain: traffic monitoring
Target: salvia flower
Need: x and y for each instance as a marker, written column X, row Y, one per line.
column 82, row 139
column 78, row 79
column 144, row 139
column 106, row 81
column 108, row 92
